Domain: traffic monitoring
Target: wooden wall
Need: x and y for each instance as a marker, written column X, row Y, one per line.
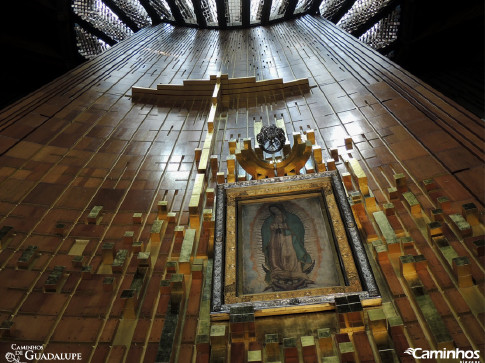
column 81, row 142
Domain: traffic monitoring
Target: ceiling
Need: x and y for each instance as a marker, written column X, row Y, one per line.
column 102, row 23
column 441, row 43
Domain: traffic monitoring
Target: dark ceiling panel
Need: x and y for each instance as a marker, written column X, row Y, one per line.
column 162, row 9
column 378, row 15
column 246, row 12
column 176, row 12
column 342, row 10
column 221, row 13
column 383, row 33
column 89, row 45
column 156, row 19
column 290, row 9
column 315, row 6
column 198, row 13
column 265, row 12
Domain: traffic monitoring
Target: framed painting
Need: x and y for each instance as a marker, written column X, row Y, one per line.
column 287, row 242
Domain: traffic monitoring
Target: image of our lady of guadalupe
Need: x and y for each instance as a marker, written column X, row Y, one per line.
column 287, row 263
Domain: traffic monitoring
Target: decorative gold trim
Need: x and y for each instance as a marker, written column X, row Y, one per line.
column 321, row 185
column 261, row 169
column 356, row 270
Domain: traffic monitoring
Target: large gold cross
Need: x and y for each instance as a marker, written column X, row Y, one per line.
column 220, row 89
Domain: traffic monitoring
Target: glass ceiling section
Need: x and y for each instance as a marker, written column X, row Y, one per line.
column 278, row 8
column 303, row 6
column 162, row 9
column 329, row 8
column 187, row 10
column 209, row 11
column 256, row 10
column 89, row 46
column 384, row 32
column 101, row 17
column 361, row 11
column 100, row 24
column 135, row 11
column 233, row 12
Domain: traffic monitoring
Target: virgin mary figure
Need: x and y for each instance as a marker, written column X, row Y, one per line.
column 287, row 263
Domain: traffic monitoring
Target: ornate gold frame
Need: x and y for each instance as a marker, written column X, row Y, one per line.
column 357, row 273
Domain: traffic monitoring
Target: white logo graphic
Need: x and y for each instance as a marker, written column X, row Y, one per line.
column 457, row 353
column 10, row 357
column 35, row 352
column 410, row 351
